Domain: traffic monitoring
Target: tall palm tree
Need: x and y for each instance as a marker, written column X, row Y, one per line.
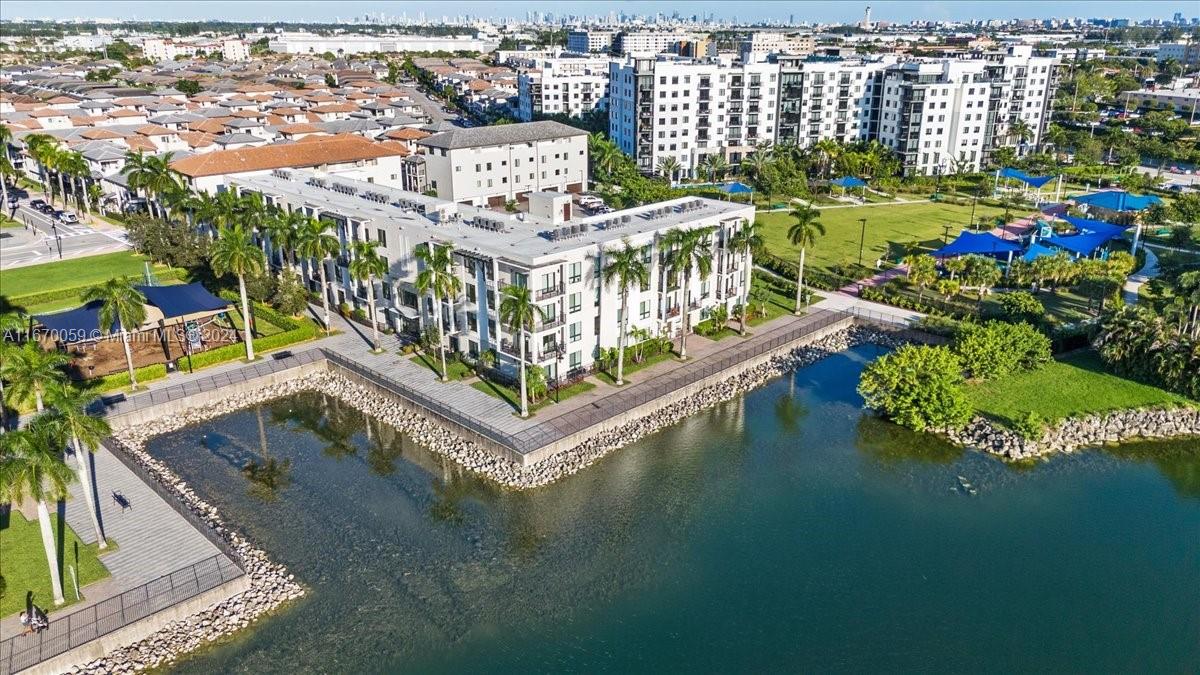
column 316, row 241
column 6, row 167
column 234, row 252
column 70, row 409
column 519, row 311
column 39, row 147
column 436, row 279
column 30, row 371
column 685, row 249
column 804, row 233
column 625, row 267
column 74, row 165
column 747, row 241
column 124, row 307
column 668, row 167
column 365, row 266
column 11, row 324
column 31, row 466
column 137, row 173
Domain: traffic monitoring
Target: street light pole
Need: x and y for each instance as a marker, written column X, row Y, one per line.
column 862, row 237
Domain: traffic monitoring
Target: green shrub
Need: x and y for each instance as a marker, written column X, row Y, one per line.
column 1031, row 426
column 918, row 387
column 155, row 371
column 1021, row 306
column 995, row 349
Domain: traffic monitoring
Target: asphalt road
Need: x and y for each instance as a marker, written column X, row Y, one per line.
column 40, row 242
column 431, row 106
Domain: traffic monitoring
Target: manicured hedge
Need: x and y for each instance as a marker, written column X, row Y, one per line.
column 155, row 371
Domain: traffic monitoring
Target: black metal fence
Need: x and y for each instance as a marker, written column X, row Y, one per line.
column 69, row 631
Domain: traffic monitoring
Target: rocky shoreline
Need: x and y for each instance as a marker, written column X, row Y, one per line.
column 1079, row 432
column 272, row 586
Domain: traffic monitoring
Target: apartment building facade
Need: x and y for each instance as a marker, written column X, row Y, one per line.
column 565, row 85
column 495, row 164
column 663, row 106
column 590, row 40
column 550, row 250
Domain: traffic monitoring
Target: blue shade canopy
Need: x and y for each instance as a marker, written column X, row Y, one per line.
column 1036, row 251
column 182, row 300
column 1033, row 181
column 1117, row 200
column 850, row 182
column 981, row 243
column 81, row 323
column 1083, row 244
column 736, row 188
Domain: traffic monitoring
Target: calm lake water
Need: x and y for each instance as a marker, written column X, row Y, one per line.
column 782, row 531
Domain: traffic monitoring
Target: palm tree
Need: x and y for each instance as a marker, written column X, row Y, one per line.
column 124, row 307
column 685, row 249
column 316, row 241
column 436, row 279
column 137, row 172
column 747, row 241
column 30, row 371
column 365, row 265
column 6, row 167
column 86, row 432
column 10, row 322
column 668, row 167
column 804, row 233
column 31, row 466
column 518, row 311
column 626, row 267
column 39, row 147
column 234, row 252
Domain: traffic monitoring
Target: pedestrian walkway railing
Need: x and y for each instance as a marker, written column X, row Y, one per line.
column 66, row 632
column 423, row 400
column 172, row 500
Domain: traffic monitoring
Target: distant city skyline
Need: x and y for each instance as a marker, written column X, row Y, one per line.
column 814, row 12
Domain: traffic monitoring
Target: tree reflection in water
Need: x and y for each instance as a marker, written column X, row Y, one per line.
column 892, row 444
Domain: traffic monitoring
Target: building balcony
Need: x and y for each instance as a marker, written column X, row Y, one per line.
column 550, row 292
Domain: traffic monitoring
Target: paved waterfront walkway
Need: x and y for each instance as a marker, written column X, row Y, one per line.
column 152, row 538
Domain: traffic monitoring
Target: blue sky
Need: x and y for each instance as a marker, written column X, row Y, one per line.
column 822, row 11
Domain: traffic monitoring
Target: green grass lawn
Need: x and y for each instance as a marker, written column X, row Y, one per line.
column 610, row 375
column 23, row 565
column 72, row 273
column 890, row 229
column 512, row 396
column 455, row 369
column 1075, row 384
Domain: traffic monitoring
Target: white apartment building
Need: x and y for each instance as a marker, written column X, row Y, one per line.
column 761, row 44
column 590, row 40
column 157, row 49
column 939, row 115
column 828, row 98
column 557, row 254
column 648, row 42
column 569, row 85
column 664, row 106
column 1182, row 101
column 235, row 50
column 494, row 164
